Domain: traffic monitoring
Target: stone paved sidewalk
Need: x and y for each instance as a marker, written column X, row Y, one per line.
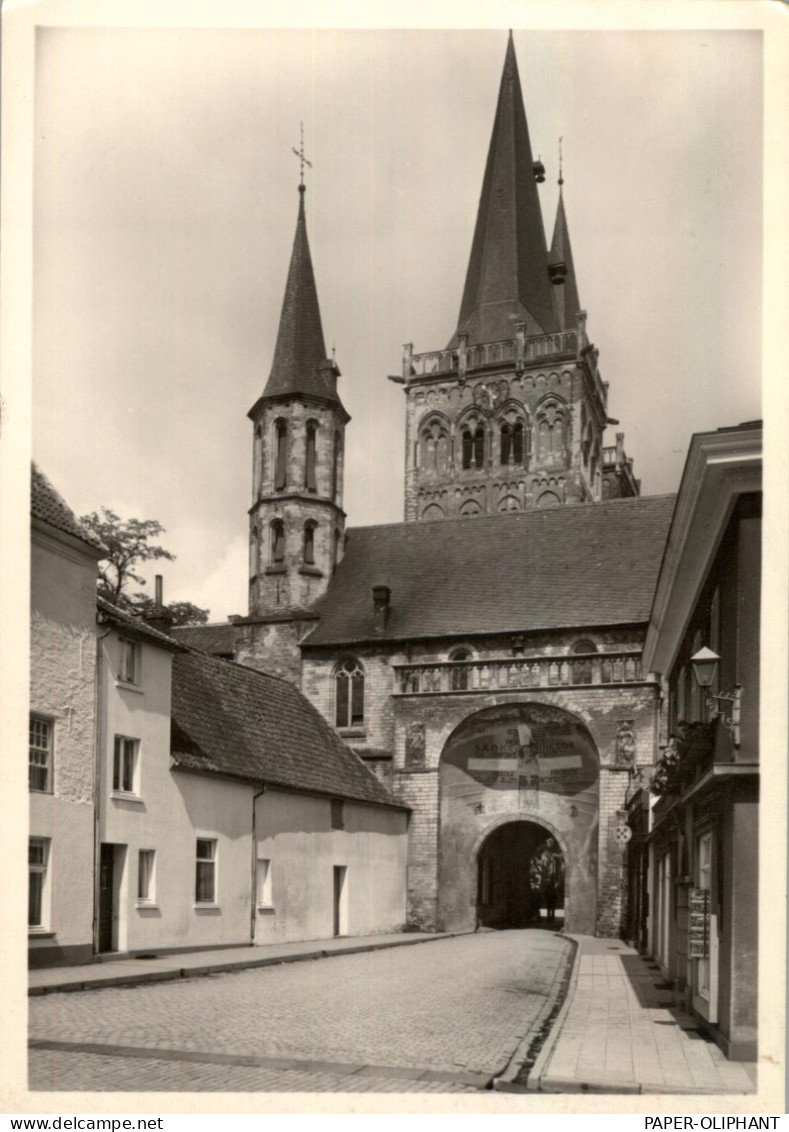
column 620, row 1033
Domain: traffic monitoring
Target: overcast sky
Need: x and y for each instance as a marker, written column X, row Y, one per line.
column 165, row 206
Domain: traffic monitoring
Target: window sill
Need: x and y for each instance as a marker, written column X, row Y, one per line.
column 143, row 905
column 127, row 687
column 35, row 790
column 207, row 907
column 276, row 569
column 311, row 571
column 123, row 796
column 352, row 732
column 41, row 933
column 266, row 910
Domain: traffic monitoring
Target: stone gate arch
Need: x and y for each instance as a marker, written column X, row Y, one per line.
column 518, row 762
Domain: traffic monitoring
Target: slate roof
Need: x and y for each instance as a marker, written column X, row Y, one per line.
column 232, row 720
column 134, row 626
column 216, row 640
column 563, row 567
column 49, row 506
column 300, row 364
column 507, row 280
column 567, row 301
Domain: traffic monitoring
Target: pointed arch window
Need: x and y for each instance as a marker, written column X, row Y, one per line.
column 309, row 456
column 253, row 552
column 277, row 542
column 335, row 550
column 511, row 449
column 473, row 447
column 280, row 453
column 349, row 694
column 335, row 464
column 309, row 543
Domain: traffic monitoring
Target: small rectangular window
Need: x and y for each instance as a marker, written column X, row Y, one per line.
column 337, row 813
column 40, row 754
column 145, row 875
column 38, row 864
column 129, row 668
column 124, row 765
column 264, row 882
column 205, row 879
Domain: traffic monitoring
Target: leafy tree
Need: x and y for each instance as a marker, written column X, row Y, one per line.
column 130, row 542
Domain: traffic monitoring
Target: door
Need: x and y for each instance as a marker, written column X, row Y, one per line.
column 106, row 902
column 340, row 927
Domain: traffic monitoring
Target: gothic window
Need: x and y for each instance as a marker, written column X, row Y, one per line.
column 433, row 511
column 253, row 552
column 277, row 542
column 309, row 457
column 551, row 432
column 349, row 694
column 309, row 543
column 434, row 448
column 509, row 503
column 280, row 454
column 548, row 499
column 335, row 464
column 459, row 677
column 511, row 446
column 470, row 507
column 335, row 550
column 473, row 447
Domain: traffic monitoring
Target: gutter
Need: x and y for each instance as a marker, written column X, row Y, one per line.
column 254, row 900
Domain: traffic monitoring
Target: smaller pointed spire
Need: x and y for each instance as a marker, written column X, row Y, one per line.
column 561, row 263
column 300, row 364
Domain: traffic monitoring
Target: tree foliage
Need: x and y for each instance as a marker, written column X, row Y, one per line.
column 130, row 542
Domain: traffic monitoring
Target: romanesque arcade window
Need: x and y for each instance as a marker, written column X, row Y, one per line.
column 280, row 453
column 309, row 457
column 349, row 694
column 434, row 448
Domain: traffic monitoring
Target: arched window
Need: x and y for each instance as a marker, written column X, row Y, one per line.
column 433, row 452
column 309, row 543
column 335, row 464
column 253, row 552
column 458, row 677
column 335, row 561
column 349, row 694
column 277, row 542
column 309, row 457
column 470, row 507
column 582, row 668
column 473, row 447
column 511, row 446
column 280, row 454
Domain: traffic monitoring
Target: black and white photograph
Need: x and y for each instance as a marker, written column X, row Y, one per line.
column 394, row 403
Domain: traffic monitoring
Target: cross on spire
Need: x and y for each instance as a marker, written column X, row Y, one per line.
column 302, row 159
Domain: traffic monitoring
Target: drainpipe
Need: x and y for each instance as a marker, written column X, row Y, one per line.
column 99, row 746
column 254, row 901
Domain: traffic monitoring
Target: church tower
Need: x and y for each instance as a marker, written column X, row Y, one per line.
column 296, row 521
column 510, row 414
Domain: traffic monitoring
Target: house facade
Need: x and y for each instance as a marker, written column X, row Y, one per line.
column 62, row 731
column 702, row 844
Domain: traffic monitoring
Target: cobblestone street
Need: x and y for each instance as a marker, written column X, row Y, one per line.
column 444, row 1016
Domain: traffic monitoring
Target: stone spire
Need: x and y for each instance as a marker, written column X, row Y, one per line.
column 300, row 365
column 507, row 280
column 562, row 268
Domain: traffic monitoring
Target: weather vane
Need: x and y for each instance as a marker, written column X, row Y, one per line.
column 561, row 178
column 302, row 159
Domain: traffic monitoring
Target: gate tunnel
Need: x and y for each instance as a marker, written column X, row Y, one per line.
column 520, row 877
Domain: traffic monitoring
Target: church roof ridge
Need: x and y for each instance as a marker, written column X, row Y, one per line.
column 300, row 364
column 507, row 279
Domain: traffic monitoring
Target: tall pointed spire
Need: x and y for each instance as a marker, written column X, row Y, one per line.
column 507, row 280
column 300, row 364
column 567, row 301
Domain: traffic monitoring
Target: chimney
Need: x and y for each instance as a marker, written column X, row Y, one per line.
column 159, row 617
column 381, row 598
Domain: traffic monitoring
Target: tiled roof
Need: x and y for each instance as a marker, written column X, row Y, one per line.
column 134, row 626
column 49, row 506
column 563, row 567
column 300, row 364
column 216, row 640
column 232, row 720
column 507, row 280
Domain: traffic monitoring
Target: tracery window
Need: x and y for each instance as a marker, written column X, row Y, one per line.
column 349, row 694
column 473, row 447
column 511, row 447
column 551, row 431
column 434, row 448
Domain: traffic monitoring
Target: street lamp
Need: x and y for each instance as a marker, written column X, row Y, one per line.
column 705, row 666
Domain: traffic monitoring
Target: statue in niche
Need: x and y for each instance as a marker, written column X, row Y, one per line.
column 415, row 744
column 625, row 747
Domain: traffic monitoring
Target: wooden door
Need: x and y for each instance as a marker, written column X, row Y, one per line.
column 106, row 902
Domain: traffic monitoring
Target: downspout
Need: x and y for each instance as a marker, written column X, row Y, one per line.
column 254, row 900
column 97, row 786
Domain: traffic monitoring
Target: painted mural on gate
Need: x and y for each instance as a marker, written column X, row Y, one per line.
column 531, row 747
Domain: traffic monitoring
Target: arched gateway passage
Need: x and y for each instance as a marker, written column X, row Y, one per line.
column 512, row 776
column 520, row 877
